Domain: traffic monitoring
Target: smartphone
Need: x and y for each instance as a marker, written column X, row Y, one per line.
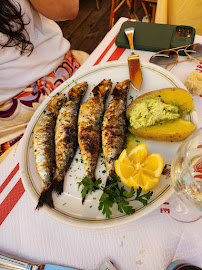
column 156, row 37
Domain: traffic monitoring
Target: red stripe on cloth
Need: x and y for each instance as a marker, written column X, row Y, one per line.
column 105, row 51
column 10, row 176
column 116, row 54
column 10, row 201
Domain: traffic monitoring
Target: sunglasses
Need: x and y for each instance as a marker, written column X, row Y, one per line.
column 170, row 57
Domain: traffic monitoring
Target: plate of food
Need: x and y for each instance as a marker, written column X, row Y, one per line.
column 77, row 135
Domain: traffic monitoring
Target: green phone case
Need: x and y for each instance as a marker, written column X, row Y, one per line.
column 155, row 37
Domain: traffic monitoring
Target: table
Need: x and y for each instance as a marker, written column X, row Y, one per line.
column 149, row 243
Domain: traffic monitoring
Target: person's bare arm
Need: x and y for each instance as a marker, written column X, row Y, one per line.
column 57, row 10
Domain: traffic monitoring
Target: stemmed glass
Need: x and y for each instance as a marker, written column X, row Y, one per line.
column 186, row 176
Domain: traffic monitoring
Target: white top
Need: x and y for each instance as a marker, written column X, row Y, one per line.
column 18, row 71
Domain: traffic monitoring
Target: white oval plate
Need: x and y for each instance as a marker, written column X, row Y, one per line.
column 68, row 208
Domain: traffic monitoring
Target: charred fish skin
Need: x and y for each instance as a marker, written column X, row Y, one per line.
column 89, row 127
column 44, row 152
column 55, row 104
column 66, row 134
column 44, row 148
column 114, row 127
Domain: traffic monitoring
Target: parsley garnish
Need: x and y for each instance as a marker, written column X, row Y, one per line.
column 131, row 98
column 143, row 198
column 89, row 186
column 113, row 194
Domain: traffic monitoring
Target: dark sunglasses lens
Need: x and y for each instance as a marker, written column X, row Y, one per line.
column 195, row 51
column 164, row 58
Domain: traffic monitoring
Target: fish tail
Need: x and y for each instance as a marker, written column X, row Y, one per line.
column 108, row 181
column 45, row 198
column 121, row 90
column 58, row 186
column 83, row 199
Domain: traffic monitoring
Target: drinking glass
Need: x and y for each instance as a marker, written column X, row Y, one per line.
column 186, row 176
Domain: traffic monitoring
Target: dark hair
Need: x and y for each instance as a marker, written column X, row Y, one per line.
column 12, row 25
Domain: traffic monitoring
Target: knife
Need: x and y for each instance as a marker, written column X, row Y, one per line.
column 10, row 263
column 133, row 62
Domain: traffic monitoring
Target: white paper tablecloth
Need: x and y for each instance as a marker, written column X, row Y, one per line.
column 149, row 243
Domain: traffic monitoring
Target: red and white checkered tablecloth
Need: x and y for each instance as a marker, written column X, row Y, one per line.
column 150, row 242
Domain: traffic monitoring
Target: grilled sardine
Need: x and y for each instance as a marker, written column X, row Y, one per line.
column 114, row 127
column 89, row 129
column 44, row 148
column 66, row 131
column 55, row 104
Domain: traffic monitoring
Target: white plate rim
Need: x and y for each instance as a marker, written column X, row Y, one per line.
column 79, row 222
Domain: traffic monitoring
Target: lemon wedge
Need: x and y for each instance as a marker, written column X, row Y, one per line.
column 138, row 169
column 138, row 154
column 153, row 165
column 124, row 171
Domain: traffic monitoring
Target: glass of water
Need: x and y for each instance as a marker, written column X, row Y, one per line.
column 186, row 176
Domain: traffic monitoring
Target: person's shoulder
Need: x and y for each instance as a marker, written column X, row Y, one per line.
column 59, row 10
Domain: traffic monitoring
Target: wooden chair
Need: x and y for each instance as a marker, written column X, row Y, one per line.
column 98, row 4
column 116, row 4
column 153, row 3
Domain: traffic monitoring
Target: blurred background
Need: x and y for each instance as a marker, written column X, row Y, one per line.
column 92, row 23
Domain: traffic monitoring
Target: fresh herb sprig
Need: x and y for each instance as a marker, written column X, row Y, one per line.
column 89, row 186
column 113, row 194
column 143, row 198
